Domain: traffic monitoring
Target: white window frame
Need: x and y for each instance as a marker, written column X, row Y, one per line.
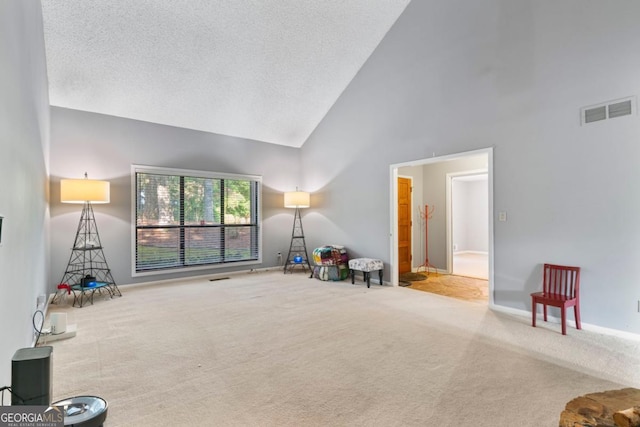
column 135, row 169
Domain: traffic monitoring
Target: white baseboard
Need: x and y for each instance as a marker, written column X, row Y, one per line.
column 572, row 323
column 209, row 276
column 437, row 270
column 471, row 252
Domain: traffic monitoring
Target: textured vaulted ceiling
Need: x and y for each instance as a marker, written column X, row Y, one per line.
column 256, row 69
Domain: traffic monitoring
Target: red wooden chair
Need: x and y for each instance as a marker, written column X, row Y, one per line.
column 560, row 288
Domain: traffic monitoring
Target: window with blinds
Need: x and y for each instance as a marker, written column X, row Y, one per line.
column 190, row 219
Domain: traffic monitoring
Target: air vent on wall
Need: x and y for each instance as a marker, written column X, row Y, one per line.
column 620, row 109
column 608, row 110
column 595, row 114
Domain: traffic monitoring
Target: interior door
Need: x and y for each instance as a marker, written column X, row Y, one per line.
column 404, row 225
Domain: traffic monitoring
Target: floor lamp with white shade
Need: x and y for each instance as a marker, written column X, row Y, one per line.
column 87, row 270
column 298, row 255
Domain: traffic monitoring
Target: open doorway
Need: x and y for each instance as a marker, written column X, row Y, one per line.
column 468, row 224
column 432, row 180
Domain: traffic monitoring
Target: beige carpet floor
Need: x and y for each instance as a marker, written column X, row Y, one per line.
column 268, row 349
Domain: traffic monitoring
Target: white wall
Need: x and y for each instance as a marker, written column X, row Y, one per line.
column 106, row 147
column 460, row 75
column 24, row 146
column 470, row 215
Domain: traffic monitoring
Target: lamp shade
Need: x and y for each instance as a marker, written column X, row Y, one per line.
column 296, row 199
column 84, row 190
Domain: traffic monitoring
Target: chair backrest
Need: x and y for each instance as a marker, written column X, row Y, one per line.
column 561, row 280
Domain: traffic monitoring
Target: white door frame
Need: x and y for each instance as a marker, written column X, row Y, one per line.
column 393, row 226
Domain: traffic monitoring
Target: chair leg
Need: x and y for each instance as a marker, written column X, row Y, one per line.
column 576, row 312
column 534, row 308
column 545, row 311
column 367, row 278
column 353, row 276
column 380, row 274
column 563, row 314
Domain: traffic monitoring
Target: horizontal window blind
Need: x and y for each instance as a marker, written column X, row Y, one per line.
column 187, row 219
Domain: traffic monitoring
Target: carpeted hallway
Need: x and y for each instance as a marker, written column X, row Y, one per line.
column 268, row 349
